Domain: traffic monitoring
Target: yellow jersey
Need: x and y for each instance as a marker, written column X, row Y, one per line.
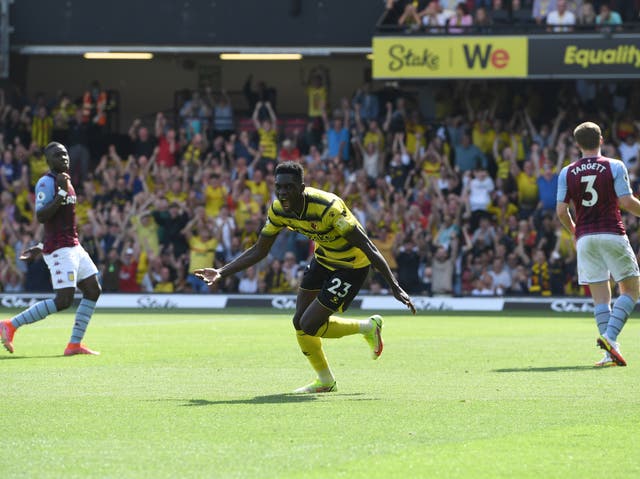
column 259, row 189
column 317, row 100
column 244, row 211
column 214, row 199
column 201, row 253
column 268, row 143
column 164, row 287
column 527, row 190
column 325, row 219
column 38, row 167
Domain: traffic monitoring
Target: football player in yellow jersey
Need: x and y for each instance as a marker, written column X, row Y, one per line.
column 342, row 259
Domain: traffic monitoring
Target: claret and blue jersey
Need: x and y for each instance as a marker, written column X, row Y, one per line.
column 594, row 185
column 60, row 230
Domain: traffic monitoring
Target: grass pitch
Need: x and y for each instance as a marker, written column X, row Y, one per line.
column 197, row 395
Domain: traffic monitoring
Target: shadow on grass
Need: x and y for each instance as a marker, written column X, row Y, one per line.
column 547, row 369
column 271, row 399
column 32, row 357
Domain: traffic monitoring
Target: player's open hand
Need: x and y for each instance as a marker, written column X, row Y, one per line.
column 402, row 296
column 208, row 275
column 31, row 253
column 62, row 181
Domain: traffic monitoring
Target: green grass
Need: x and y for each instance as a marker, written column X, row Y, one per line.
column 204, row 396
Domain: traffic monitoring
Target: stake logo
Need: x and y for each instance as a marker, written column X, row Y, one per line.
column 446, row 57
column 405, row 57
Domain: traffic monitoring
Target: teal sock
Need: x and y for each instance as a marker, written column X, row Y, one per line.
column 602, row 313
column 38, row 311
column 83, row 316
column 621, row 310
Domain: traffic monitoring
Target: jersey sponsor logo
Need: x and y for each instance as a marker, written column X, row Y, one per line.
column 322, row 238
column 342, row 223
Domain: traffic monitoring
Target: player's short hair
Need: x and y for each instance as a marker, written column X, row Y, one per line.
column 51, row 146
column 587, row 135
column 291, row 168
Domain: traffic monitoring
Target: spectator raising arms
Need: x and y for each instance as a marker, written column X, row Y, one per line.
column 268, row 146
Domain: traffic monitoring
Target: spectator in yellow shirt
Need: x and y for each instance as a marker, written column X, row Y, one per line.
column 415, row 133
column 276, row 280
column 268, row 145
column 202, row 250
column 38, row 166
column 246, row 207
column 165, row 285
column 258, row 186
column 22, row 200
column 317, row 92
column 215, row 195
column 527, row 183
column 42, row 128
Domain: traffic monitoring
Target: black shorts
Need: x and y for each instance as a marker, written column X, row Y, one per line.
column 337, row 288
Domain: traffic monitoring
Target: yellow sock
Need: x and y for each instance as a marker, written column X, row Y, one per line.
column 311, row 347
column 336, row 327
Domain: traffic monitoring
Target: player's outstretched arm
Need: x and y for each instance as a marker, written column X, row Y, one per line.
column 358, row 238
column 248, row 258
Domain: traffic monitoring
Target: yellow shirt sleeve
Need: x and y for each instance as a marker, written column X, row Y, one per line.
column 271, row 227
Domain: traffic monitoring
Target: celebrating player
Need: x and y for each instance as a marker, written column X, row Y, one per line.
column 596, row 185
column 68, row 262
column 341, row 262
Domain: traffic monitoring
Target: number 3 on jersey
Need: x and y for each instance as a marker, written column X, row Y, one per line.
column 590, row 190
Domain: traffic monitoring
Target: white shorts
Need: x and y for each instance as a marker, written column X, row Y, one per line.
column 69, row 265
column 603, row 255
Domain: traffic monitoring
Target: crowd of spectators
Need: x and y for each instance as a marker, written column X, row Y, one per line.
column 495, row 16
column 457, row 193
